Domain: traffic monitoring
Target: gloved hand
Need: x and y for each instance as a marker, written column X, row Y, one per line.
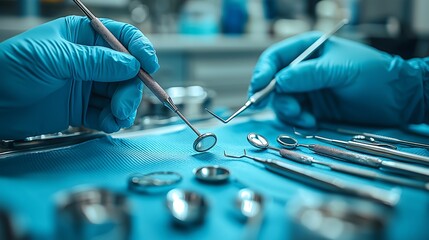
column 63, row 73
column 343, row 82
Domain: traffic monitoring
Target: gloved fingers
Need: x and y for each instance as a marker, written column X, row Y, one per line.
column 98, row 101
column 314, row 74
column 101, row 119
column 291, row 110
column 128, row 122
column 288, row 105
column 127, row 98
column 304, row 119
column 104, row 89
column 99, row 64
column 277, row 57
column 136, row 42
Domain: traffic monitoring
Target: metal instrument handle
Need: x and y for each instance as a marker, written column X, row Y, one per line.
column 388, row 153
column 297, row 157
column 327, row 182
column 263, row 92
column 346, row 155
column 395, row 140
column 405, row 168
column 156, row 89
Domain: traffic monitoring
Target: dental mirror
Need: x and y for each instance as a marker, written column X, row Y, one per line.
column 287, row 141
column 257, row 141
column 212, row 174
column 186, row 207
column 204, row 142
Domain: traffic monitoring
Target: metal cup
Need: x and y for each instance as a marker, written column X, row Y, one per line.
column 92, row 213
column 336, row 217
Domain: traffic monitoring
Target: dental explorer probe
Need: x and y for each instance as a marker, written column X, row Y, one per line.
column 204, row 141
column 326, row 182
column 259, row 95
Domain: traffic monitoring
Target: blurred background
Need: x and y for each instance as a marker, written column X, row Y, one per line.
column 214, row 44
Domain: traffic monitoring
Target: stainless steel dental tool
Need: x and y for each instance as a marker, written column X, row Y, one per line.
column 324, row 181
column 399, row 167
column 257, row 96
column 381, row 138
column 204, row 141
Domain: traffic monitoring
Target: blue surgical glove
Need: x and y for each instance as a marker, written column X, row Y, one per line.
column 63, row 74
column 343, row 81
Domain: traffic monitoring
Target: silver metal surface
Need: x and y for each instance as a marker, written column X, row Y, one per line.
column 145, row 77
column 250, row 206
column 92, row 213
column 336, row 218
column 291, row 142
column 187, row 208
column 259, row 95
column 382, row 138
column 326, row 182
column 155, row 181
column 399, row 167
column 212, row 174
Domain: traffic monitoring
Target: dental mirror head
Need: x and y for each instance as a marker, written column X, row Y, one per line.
column 287, row 141
column 212, row 174
column 257, row 140
column 186, row 207
column 249, row 203
column 204, row 142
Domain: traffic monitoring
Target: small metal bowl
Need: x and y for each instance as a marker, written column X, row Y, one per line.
column 212, row 174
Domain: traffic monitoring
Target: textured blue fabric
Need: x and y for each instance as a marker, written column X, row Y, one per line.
column 63, row 73
column 28, row 182
column 343, row 81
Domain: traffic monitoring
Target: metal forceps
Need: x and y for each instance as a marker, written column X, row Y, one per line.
column 256, row 97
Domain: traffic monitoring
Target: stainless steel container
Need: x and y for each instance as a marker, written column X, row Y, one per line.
column 92, row 213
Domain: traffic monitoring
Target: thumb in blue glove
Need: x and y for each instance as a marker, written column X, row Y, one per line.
column 62, row 73
column 344, row 82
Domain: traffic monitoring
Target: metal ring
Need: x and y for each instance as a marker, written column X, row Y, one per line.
column 153, row 180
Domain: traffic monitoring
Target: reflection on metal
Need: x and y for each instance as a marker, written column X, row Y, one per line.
column 92, row 213
column 212, row 174
column 153, row 182
column 187, row 208
column 336, row 217
column 48, row 141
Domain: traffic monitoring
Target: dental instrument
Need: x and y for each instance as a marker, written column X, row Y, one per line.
column 204, row 141
column 257, row 96
column 260, row 142
column 399, row 167
column 292, row 143
column 324, row 181
column 381, row 138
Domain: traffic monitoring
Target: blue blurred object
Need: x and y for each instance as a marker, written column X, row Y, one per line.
column 234, row 16
column 345, row 82
column 199, row 18
column 62, row 73
column 30, row 8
